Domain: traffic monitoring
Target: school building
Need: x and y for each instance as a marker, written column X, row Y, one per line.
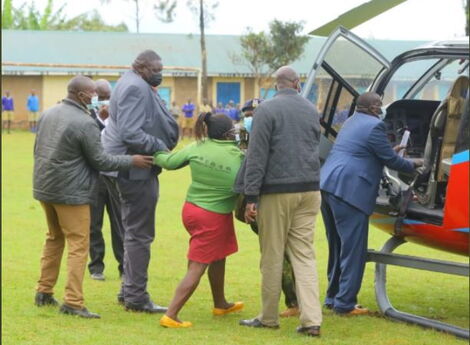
column 46, row 60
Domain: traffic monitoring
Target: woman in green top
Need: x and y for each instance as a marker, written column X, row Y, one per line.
column 214, row 160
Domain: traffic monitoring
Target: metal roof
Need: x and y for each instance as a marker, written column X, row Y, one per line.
column 118, row 48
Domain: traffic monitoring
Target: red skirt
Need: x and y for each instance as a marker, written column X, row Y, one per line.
column 212, row 234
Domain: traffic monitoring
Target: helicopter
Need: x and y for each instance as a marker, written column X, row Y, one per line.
column 426, row 95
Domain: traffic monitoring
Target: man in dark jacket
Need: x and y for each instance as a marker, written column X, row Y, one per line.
column 138, row 122
column 67, row 155
column 349, row 184
column 103, row 199
column 282, row 178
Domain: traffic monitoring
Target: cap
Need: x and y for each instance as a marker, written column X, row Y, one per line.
column 252, row 104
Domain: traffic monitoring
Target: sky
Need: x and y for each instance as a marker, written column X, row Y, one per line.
column 411, row 20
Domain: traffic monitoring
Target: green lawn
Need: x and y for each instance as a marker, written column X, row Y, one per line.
column 23, row 227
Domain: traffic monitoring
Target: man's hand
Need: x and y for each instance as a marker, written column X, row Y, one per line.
column 103, row 112
column 144, row 162
column 398, row 148
column 250, row 213
column 418, row 163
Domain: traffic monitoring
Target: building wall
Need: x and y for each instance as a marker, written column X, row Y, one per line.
column 20, row 88
column 185, row 87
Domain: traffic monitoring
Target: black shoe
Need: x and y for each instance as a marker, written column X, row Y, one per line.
column 42, row 299
column 312, row 331
column 97, row 276
column 120, row 298
column 148, row 307
column 328, row 306
column 255, row 323
column 65, row 309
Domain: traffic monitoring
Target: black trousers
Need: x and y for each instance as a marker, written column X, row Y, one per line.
column 138, row 204
column 109, row 198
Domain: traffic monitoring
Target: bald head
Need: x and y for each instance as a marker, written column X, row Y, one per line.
column 369, row 103
column 81, row 89
column 103, row 89
column 287, row 77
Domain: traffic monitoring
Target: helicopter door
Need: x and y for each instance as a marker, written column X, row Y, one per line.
column 345, row 67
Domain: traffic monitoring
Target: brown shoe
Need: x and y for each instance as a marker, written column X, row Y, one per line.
column 290, row 312
column 358, row 310
column 313, row 331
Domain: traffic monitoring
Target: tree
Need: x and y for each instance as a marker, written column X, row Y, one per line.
column 90, row 21
column 467, row 17
column 7, row 15
column 204, row 10
column 137, row 12
column 265, row 53
column 30, row 18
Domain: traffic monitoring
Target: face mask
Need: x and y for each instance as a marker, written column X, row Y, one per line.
column 155, row 79
column 383, row 114
column 105, row 102
column 247, row 122
column 92, row 103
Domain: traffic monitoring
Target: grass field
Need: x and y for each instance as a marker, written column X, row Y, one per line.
column 433, row 295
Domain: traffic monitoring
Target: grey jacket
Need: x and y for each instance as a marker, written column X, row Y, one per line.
column 283, row 154
column 139, row 123
column 67, row 155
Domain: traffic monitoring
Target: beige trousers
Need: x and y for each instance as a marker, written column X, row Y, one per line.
column 71, row 223
column 286, row 223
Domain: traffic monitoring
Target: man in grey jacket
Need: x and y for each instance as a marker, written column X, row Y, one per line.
column 67, row 155
column 139, row 122
column 282, row 192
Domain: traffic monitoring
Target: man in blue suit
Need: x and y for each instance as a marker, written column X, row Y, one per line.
column 349, row 185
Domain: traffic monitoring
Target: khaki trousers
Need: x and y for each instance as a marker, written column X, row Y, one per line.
column 286, row 223
column 71, row 223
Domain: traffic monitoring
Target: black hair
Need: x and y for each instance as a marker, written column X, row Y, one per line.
column 212, row 126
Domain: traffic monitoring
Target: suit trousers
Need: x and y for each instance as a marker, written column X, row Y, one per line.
column 69, row 223
column 110, row 200
column 138, row 203
column 286, row 225
column 347, row 232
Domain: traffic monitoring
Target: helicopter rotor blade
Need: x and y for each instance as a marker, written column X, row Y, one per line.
column 357, row 16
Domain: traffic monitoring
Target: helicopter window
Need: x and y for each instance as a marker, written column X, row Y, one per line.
column 405, row 77
column 438, row 87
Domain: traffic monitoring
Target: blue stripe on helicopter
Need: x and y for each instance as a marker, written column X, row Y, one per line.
column 460, row 157
column 461, row 229
column 391, row 220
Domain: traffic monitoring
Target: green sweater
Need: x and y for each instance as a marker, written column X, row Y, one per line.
column 214, row 165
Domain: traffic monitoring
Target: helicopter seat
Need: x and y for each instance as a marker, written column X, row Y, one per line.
column 441, row 140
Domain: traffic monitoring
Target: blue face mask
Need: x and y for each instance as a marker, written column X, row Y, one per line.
column 247, row 122
column 105, row 102
column 94, row 103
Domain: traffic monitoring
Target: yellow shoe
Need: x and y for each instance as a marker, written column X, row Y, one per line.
column 167, row 322
column 235, row 307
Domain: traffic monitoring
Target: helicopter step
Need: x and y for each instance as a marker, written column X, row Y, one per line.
column 385, row 257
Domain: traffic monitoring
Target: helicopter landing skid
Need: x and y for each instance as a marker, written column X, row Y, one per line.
column 385, row 257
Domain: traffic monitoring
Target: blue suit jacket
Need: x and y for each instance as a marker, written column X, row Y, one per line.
column 354, row 166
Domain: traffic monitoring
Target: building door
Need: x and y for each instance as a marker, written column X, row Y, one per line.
column 228, row 92
column 165, row 95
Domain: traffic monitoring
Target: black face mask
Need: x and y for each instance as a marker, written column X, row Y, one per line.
column 155, row 79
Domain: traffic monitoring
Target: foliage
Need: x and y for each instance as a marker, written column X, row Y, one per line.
column 28, row 17
column 90, row 21
column 7, row 14
column 265, row 53
column 137, row 13
column 440, row 296
column 204, row 10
